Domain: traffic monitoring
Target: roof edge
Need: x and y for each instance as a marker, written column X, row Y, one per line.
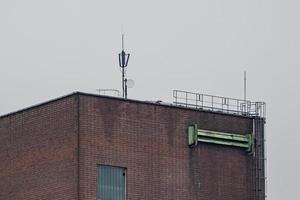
column 170, row 105
column 38, row 104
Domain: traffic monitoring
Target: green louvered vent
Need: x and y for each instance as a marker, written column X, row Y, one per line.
column 111, row 183
column 196, row 135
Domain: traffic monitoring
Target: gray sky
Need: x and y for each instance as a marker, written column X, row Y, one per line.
column 51, row 48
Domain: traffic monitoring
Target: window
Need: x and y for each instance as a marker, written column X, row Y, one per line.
column 111, row 183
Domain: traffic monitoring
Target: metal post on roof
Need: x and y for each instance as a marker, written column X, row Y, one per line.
column 245, row 86
column 123, row 62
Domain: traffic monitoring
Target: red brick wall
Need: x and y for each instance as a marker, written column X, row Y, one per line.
column 151, row 142
column 38, row 154
column 39, row 148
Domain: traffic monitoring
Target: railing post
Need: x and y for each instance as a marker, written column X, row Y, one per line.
column 186, row 101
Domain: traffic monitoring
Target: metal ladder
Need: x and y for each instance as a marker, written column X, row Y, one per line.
column 259, row 159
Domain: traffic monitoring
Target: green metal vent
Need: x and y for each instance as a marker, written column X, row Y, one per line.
column 196, row 135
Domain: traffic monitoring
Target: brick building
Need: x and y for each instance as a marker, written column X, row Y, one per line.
column 88, row 147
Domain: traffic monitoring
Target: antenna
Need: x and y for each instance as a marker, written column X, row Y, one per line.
column 122, row 42
column 245, row 86
column 123, row 62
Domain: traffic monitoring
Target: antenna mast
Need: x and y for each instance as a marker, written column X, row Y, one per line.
column 245, row 86
column 123, row 62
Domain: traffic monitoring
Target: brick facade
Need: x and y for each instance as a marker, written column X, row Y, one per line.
column 38, row 156
column 52, row 151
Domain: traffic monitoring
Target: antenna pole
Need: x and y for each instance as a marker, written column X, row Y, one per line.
column 245, row 86
column 123, row 81
column 123, row 68
column 123, row 61
column 122, row 42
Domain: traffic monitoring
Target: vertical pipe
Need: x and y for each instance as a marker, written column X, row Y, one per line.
column 77, row 122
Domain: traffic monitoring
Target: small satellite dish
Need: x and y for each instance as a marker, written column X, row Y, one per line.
column 130, row 83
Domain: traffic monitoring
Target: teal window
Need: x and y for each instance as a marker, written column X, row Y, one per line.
column 111, row 183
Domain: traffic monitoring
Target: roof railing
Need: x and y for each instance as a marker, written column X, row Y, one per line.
column 219, row 104
column 109, row 92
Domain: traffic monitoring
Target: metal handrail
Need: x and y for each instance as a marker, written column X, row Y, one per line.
column 113, row 92
column 219, row 104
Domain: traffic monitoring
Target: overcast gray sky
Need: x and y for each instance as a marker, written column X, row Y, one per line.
column 51, row 48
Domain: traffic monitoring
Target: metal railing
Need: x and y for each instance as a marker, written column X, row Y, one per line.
column 109, row 92
column 219, row 104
